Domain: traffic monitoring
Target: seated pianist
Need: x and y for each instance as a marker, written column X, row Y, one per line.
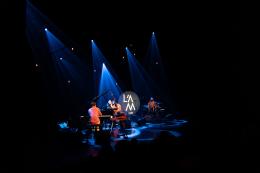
column 94, row 114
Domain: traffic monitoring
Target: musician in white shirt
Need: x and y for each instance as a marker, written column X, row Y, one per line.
column 114, row 106
column 119, row 115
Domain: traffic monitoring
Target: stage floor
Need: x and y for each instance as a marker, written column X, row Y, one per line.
column 140, row 130
column 76, row 146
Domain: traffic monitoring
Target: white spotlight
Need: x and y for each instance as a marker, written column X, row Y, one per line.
column 61, row 58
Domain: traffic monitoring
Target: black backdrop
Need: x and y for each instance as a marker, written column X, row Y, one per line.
column 219, row 83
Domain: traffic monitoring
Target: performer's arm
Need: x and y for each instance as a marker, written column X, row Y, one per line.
column 99, row 112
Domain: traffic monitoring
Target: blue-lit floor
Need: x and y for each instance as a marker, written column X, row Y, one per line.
column 146, row 131
column 80, row 147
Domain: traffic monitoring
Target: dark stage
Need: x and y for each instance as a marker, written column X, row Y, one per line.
column 185, row 57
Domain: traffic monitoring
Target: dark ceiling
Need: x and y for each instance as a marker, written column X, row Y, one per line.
column 197, row 41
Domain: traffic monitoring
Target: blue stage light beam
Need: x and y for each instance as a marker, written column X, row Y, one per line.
column 98, row 59
column 141, row 82
column 36, row 23
column 65, row 75
column 108, row 87
column 154, row 62
column 35, row 28
column 156, row 69
column 69, row 66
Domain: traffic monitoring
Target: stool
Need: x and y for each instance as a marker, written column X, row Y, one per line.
column 95, row 128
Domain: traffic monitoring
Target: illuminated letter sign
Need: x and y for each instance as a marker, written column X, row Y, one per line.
column 129, row 101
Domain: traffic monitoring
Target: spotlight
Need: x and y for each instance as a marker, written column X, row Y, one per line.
column 153, row 33
column 123, row 57
column 95, row 70
column 46, row 29
column 36, row 65
column 91, row 40
column 156, row 62
column 68, row 81
column 72, row 48
column 61, row 58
